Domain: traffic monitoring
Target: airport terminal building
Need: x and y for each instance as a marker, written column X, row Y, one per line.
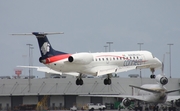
column 63, row 93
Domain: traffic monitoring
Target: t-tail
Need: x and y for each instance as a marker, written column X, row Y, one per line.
column 45, row 47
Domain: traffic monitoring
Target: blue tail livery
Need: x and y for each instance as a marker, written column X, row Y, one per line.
column 45, row 47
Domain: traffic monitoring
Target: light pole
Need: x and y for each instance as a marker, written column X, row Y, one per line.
column 140, row 45
column 24, row 62
column 109, row 45
column 140, row 50
column 170, row 58
column 105, row 48
column 31, row 48
column 30, row 45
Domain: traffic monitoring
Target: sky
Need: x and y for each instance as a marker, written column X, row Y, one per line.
column 87, row 26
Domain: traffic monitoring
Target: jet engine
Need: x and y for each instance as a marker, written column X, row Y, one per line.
column 162, row 79
column 41, row 60
column 81, row 58
column 126, row 102
column 177, row 102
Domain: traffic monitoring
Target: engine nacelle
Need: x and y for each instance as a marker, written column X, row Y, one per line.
column 162, row 79
column 41, row 60
column 81, row 58
column 126, row 102
column 177, row 102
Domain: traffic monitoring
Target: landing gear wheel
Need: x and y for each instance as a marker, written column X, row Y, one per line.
column 152, row 76
column 107, row 81
column 79, row 82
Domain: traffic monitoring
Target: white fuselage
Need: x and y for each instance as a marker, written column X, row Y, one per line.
column 90, row 65
column 153, row 97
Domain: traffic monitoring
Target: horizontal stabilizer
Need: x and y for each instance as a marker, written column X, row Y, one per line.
column 173, row 91
column 40, row 33
column 145, row 89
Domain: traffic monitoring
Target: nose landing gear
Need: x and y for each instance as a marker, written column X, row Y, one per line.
column 107, row 81
column 152, row 76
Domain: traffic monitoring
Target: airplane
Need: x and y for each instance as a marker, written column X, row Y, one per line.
column 96, row 64
column 148, row 93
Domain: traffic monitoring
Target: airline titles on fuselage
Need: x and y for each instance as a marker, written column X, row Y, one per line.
column 128, row 60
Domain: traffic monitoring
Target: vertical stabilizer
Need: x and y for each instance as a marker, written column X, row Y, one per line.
column 45, row 47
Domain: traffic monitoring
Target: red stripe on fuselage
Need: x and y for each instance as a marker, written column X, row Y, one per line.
column 56, row 58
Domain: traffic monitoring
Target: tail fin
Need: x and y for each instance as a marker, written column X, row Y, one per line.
column 45, row 47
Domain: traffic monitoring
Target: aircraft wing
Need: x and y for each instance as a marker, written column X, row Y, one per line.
column 103, row 70
column 145, row 66
column 170, row 98
column 48, row 70
column 145, row 89
column 141, row 98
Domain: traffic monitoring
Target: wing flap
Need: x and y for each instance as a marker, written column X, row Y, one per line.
column 112, row 69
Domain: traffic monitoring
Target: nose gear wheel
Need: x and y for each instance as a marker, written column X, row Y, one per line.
column 107, row 81
column 152, row 76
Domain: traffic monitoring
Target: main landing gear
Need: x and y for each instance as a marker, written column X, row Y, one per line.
column 152, row 76
column 107, row 81
column 79, row 80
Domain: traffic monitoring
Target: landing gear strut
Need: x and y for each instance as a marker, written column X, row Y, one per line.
column 107, row 81
column 79, row 80
column 152, row 76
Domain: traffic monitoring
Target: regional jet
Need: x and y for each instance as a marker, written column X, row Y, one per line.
column 148, row 93
column 96, row 64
